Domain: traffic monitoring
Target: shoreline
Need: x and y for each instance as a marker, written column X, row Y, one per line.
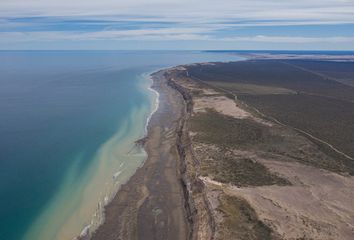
column 180, row 180
column 156, row 102
column 157, row 78
column 124, row 225
column 86, row 230
column 146, row 196
column 99, row 216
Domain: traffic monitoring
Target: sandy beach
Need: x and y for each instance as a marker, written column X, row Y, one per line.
column 151, row 204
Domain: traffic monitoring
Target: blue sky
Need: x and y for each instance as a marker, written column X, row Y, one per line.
column 177, row 24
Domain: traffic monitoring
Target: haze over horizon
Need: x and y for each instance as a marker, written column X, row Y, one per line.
column 175, row 25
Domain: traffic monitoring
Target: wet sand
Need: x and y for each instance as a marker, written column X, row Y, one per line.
column 151, row 204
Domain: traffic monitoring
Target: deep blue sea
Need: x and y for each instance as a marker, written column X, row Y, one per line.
column 67, row 119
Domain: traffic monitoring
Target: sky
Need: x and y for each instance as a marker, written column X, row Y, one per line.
column 177, row 24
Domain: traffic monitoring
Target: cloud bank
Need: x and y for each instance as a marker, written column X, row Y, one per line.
column 177, row 20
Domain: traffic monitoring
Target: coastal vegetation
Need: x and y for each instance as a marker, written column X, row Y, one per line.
column 273, row 73
column 241, row 221
column 297, row 94
column 251, row 147
column 220, row 135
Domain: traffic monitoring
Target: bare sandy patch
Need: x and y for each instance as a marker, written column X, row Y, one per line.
column 205, row 91
column 221, row 104
column 318, row 206
column 226, row 106
column 210, row 98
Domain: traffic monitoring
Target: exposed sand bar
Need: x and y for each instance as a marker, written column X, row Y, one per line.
column 151, row 204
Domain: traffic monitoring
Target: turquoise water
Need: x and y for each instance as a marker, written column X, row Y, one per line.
column 68, row 121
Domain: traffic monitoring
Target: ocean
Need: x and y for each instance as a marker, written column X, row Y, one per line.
column 68, row 122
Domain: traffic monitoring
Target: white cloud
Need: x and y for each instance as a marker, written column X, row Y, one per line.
column 206, row 20
column 288, row 39
column 142, row 34
column 186, row 10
